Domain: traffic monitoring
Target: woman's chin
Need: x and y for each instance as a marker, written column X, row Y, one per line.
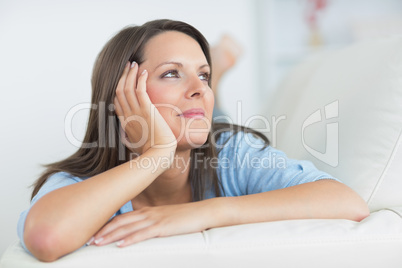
column 192, row 141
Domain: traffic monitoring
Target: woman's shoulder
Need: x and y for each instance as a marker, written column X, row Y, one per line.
column 63, row 176
column 55, row 181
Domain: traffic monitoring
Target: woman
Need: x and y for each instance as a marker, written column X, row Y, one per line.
column 167, row 171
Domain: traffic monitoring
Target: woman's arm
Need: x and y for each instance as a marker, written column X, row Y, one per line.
column 64, row 219
column 323, row 199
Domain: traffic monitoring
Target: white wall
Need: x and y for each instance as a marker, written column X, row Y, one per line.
column 47, row 49
column 286, row 33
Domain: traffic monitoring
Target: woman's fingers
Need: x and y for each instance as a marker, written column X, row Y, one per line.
column 120, row 94
column 122, row 232
column 141, row 235
column 134, row 106
column 119, row 221
column 119, row 110
column 141, row 91
column 143, row 224
column 130, row 86
column 131, row 93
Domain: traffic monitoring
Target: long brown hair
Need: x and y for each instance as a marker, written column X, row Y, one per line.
column 102, row 148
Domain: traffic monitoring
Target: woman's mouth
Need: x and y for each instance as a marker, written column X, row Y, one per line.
column 193, row 113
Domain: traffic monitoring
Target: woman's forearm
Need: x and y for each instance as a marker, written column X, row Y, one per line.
column 324, row 199
column 64, row 219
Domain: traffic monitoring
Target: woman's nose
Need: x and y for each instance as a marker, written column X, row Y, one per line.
column 195, row 87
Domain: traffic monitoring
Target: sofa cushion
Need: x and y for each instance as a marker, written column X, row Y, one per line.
column 374, row 242
column 344, row 113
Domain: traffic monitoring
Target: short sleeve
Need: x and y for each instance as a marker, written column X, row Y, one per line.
column 247, row 166
column 54, row 182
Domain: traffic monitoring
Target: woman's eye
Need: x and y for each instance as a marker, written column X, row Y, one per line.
column 204, row 76
column 171, row 74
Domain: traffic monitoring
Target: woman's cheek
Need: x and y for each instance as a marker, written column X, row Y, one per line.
column 210, row 102
column 153, row 96
column 160, row 94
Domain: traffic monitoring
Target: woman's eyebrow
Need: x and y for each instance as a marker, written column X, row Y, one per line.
column 178, row 64
column 169, row 62
column 205, row 65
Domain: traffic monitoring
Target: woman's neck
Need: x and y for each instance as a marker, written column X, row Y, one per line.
column 171, row 187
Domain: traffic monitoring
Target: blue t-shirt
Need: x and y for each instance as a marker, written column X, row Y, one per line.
column 244, row 167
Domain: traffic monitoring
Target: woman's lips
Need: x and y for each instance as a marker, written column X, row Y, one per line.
column 193, row 113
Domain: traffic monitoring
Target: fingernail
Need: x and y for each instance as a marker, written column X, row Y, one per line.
column 143, row 72
column 90, row 241
column 119, row 243
column 133, row 64
column 97, row 241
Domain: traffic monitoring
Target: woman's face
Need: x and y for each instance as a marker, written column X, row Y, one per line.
column 178, row 86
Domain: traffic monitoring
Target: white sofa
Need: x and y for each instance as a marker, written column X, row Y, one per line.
column 344, row 113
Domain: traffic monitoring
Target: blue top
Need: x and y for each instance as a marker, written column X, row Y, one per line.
column 243, row 165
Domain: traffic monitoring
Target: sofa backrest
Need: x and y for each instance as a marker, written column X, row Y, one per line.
column 343, row 112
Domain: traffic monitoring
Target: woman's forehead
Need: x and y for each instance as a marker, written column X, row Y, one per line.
column 173, row 46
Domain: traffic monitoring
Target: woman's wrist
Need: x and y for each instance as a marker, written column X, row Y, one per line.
column 220, row 212
column 157, row 160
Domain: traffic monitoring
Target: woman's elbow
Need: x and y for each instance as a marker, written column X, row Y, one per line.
column 357, row 209
column 43, row 243
column 360, row 211
column 347, row 203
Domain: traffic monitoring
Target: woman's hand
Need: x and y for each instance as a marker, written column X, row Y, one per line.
column 149, row 222
column 139, row 118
